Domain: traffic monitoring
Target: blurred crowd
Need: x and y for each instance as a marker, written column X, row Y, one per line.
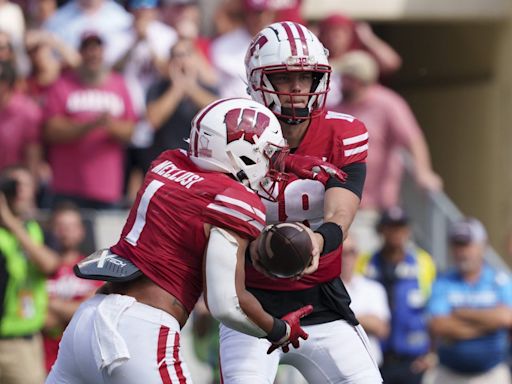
column 91, row 91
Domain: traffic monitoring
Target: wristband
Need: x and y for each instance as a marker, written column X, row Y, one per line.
column 278, row 331
column 333, row 236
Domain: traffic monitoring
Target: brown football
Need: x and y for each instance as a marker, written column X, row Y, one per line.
column 285, row 249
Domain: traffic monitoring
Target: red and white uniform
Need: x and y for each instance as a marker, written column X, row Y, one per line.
column 336, row 351
column 334, row 137
column 168, row 242
column 164, row 236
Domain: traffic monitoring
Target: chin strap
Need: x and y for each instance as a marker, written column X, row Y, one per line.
column 300, row 113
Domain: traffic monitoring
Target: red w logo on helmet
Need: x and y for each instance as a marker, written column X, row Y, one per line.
column 259, row 41
column 245, row 123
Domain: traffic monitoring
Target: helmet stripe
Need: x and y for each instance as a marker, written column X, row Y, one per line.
column 302, row 37
column 291, row 39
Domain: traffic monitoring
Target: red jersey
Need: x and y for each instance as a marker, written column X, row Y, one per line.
column 164, row 233
column 341, row 140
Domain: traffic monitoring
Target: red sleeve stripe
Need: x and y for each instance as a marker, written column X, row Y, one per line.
column 238, row 215
column 356, row 150
column 355, row 139
column 241, row 204
column 339, row 116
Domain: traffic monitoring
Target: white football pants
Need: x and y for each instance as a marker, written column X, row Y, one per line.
column 335, row 352
column 113, row 339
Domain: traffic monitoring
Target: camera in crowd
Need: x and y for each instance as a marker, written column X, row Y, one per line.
column 9, row 187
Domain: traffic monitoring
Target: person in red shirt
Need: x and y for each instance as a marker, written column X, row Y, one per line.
column 186, row 234
column 21, row 123
column 89, row 121
column 65, row 291
column 288, row 71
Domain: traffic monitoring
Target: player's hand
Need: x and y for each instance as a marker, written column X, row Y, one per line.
column 310, row 167
column 318, row 243
column 294, row 332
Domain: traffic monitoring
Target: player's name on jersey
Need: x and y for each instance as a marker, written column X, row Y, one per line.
column 170, row 171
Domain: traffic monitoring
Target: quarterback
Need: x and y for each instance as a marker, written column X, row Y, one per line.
column 287, row 70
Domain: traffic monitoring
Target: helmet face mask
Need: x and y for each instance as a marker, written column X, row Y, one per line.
column 287, row 47
column 242, row 138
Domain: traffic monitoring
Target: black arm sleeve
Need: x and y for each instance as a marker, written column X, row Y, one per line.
column 356, row 175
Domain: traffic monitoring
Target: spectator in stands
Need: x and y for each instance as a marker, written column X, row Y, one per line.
column 40, row 11
column 228, row 16
column 90, row 120
column 185, row 17
column 106, row 17
column 173, row 101
column 407, row 273
column 24, row 264
column 392, row 128
column 12, row 21
column 20, row 125
column 228, row 50
column 49, row 56
column 141, row 65
column 391, row 125
column 150, row 44
column 471, row 313
column 340, row 35
column 369, row 300
column 6, row 49
column 66, row 291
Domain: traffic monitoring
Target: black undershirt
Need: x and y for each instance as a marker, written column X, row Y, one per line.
column 330, row 302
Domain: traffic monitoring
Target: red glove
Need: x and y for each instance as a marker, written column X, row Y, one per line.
column 310, row 167
column 293, row 330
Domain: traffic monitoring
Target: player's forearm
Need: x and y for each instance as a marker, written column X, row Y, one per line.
column 340, row 207
column 255, row 312
column 486, row 319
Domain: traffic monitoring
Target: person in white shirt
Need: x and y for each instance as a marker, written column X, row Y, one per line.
column 369, row 300
column 228, row 50
column 106, row 17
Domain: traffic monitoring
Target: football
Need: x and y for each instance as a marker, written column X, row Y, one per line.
column 285, row 249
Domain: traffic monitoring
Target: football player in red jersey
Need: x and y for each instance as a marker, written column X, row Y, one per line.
column 186, row 234
column 288, row 71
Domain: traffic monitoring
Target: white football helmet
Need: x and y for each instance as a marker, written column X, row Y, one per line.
column 242, row 138
column 284, row 47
